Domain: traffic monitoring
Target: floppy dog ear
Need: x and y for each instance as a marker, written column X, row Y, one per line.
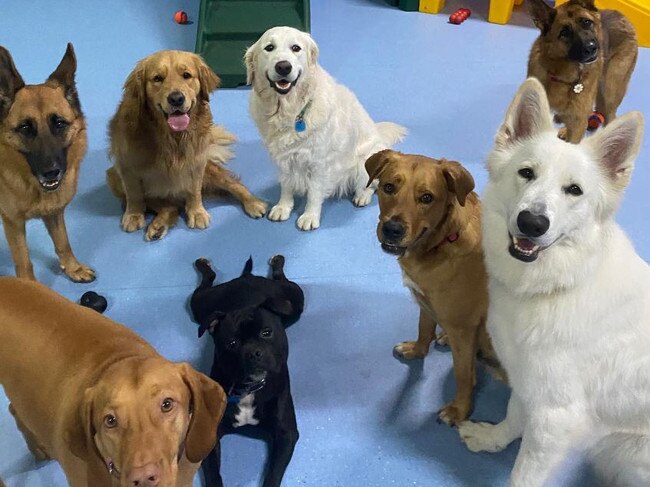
column 249, row 61
column 10, row 81
column 80, row 431
column 376, row 163
column 208, row 402
column 134, row 86
column 459, row 180
column 281, row 307
column 207, row 78
column 312, row 51
column 541, row 13
column 528, row 115
column 213, row 322
column 64, row 75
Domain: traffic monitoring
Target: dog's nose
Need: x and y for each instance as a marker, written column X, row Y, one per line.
column 393, row 230
column 52, row 174
column 255, row 354
column 590, row 48
column 176, row 99
column 283, row 68
column 532, row 225
column 145, row 476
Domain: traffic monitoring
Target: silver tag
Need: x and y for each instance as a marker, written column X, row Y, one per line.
column 578, row 88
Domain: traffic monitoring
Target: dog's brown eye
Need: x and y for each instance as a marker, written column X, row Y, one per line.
column 296, row 48
column 574, row 190
column 426, row 198
column 389, row 188
column 586, row 23
column 566, row 32
column 110, row 421
column 269, row 48
column 26, row 128
column 167, row 405
column 266, row 333
column 526, row 173
column 187, row 75
column 158, row 78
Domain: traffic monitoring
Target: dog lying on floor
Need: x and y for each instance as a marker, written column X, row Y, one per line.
column 42, row 142
column 166, row 149
column 315, row 129
column 92, row 395
column 246, row 318
column 430, row 218
column 583, row 56
column 569, row 312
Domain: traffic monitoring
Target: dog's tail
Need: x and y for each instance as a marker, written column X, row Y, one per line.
column 623, row 460
column 248, row 267
column 219, row 151
column 391, row 133
column 115, row 183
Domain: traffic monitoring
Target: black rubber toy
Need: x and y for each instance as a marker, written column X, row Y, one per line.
column 95, row 301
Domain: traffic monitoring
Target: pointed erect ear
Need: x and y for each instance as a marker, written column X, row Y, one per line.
column 616, row 147
column 587, row 4
column 459, row 180
column 207, row 78
column 249, row 61
column 10, row 81
column 529, row 114
column 541, row 13
column 64, row 75
column 376, row 163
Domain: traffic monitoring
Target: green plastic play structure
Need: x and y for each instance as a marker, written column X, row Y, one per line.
column 228, row 27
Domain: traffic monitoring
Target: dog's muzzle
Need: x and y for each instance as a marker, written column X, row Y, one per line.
column 283, row 84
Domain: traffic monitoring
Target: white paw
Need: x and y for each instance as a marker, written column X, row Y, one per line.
column 308, row 221
column 363, row 198
column 481, row 437
column 279, row 213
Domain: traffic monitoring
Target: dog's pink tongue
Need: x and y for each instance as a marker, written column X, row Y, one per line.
column 178, row 122
column 525, row 244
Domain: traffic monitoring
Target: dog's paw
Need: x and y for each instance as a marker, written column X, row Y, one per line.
column 453, row 413
column 78, row 272
column 442, row 339
column 279, row 213
column 255, row 208
column 480, row 437
column 363, row 197
column 156, row 231
column 308, row 221
column 132, row 221
column 563, row 133
column 198, row 218
column 409, row 350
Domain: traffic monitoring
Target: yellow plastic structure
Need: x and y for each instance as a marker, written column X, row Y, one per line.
column 501, row 10
column 432, row 6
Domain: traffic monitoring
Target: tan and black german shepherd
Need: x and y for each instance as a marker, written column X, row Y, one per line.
column 583, row 57
column 42, row 142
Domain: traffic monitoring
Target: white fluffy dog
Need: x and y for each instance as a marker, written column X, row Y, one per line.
column 315, row 129
column 569, row 311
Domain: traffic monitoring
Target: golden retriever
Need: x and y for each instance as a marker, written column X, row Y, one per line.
column 92, row 395
column 167, row 151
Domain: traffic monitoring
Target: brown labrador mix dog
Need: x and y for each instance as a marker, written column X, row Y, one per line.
column 166, row 149
column 92, row 395
column 42, row 143
column 430, row 218
column 583, row 57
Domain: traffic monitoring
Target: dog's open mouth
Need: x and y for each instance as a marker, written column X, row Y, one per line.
column 178, row 120
column 393, row 249
column 249, row 385
column 523, row 249
column 282, row 86
column 49, row 184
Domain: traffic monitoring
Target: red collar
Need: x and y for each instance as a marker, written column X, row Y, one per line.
column 451, row 238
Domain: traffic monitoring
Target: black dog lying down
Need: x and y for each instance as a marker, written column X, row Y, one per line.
column 246, row 318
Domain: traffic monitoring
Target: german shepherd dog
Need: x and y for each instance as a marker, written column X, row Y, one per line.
column 582, row 57
column 42, row 142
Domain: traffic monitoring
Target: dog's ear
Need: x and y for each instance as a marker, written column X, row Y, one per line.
column 528, row 115
column 586, row 4
column 10, row 81
column 80, row 432
column 249, row 61
column 281, row 307
column 542, row 14
column 616, row 147
column 135, row 84
column 207, row 78
column 376, row 163
column 459, row 180
column 64, row 75
column 312, row 51
column 208, row 402
column 213, row 322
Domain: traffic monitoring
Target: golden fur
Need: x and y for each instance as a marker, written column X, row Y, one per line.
column 447, row 278
column 81, row 367
column 162, row 170
column 22, row 197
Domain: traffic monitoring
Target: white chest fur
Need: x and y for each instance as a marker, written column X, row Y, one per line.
column 246, row 413
column 410, row 284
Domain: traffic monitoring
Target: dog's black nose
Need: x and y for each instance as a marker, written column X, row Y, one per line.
column 590, row 48
column 52, row 174
column 532, row 225
column 283, row 68
column 393, row 230
column 255, row 354
column 176, row 99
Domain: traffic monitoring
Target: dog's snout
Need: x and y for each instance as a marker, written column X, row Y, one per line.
column 283, row 68
column 532, row 225
column 590, row 48
column 145, row 476
column 176, row 99
column 393, row 230
column 255, row 354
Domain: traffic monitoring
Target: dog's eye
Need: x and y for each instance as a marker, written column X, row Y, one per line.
column 26, row 128
column 526, row 173
column 110, row 421
column 269, row 48
column 426, row 198
column 266, row 333
column 296, row 48
column 586, row 23
column 574, row 190
column 187, row 75
column 59, row 123
column 167, row 405
column 231, row 344
column 565, row 32
column 158, row 79
column 389, row 188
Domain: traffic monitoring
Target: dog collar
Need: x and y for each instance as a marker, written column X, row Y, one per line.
column 451, row 238
column 300, row 124
column 577, row 85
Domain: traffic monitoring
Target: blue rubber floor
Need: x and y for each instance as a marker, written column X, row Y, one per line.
column 365, row 418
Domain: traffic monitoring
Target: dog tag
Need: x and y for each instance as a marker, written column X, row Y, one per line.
column 300, row 125
column 578, row 88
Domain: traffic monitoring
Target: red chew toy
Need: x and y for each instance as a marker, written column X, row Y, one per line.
column 180, row 17
column 459, row 16
column 596, row 119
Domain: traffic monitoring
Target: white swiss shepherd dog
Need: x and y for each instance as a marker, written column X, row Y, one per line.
column 569, row 311
column 315, row 129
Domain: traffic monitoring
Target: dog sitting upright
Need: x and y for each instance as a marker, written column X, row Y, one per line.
column 582, row 57
column 246, row 318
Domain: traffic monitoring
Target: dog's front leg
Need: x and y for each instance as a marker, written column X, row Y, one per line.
column 197, row 215
column 426, row 334
column 211, row 467
column 281, row 211
column 15, row 233
column 285, row 437
column 574, row 129
column 310, row 219
column 133, row 218
column 72, row 268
